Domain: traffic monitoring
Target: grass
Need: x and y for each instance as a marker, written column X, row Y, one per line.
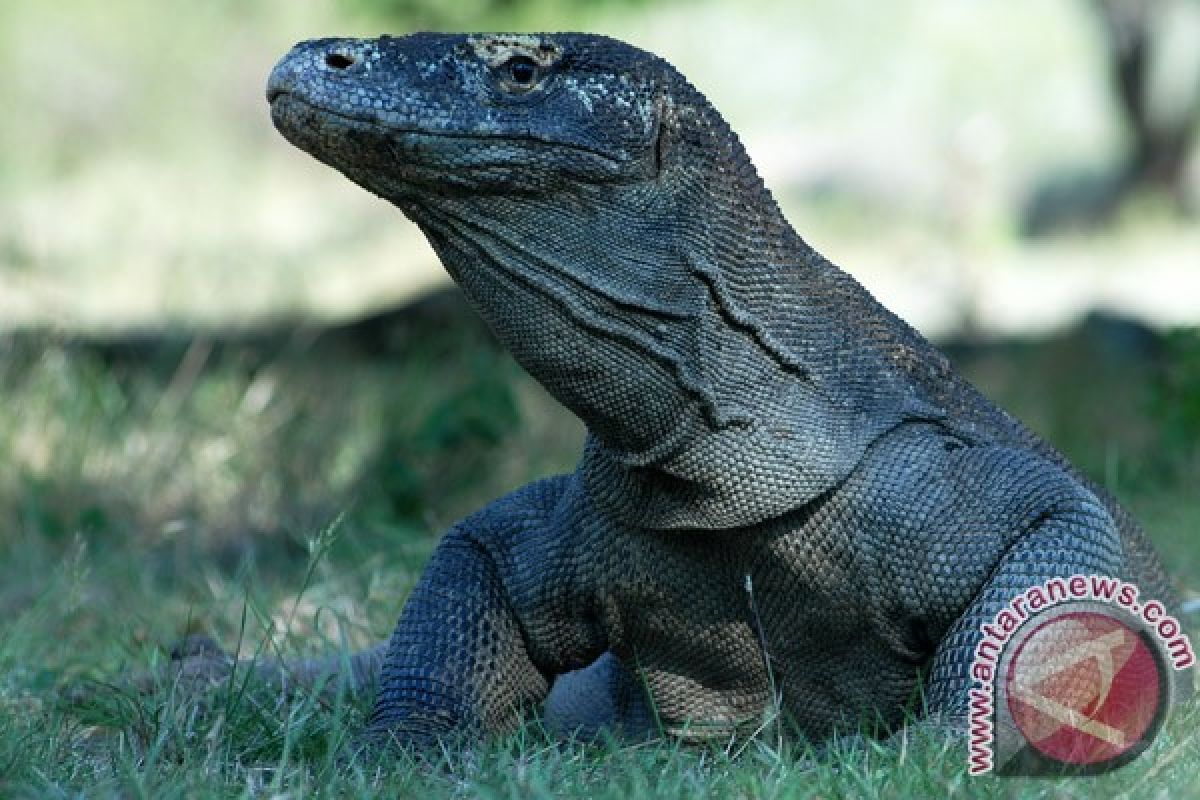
column 296, row 519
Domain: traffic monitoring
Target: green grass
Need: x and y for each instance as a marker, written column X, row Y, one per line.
column 307, row 524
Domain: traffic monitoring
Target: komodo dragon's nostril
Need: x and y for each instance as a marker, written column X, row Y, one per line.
column 339, row 60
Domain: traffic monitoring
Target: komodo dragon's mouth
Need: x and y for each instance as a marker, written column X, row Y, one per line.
column 281, row 99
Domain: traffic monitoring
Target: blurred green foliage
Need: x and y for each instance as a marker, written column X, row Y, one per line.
column 478, row 14
column 1178, row 395
column 454, row 442
column 236, row 439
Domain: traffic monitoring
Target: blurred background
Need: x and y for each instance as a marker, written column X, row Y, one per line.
column 235, row 390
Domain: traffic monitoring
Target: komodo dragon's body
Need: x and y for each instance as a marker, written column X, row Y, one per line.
column 785, row 490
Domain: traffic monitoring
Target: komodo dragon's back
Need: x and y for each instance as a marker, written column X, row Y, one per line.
column 785, row 489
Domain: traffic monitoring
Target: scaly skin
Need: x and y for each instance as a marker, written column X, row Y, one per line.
column 785, row 489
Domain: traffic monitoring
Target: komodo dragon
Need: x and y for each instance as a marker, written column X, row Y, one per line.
column 786, row 495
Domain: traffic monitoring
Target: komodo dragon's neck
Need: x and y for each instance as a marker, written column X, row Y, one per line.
column 609, row 226
column 733, row 342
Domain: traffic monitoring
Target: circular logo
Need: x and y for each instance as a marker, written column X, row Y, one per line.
column 1085, row 689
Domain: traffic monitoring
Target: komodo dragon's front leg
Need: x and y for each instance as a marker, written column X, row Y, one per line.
column 1077, row 537
column 458, row 659
column 960, row 532
column 489, row 626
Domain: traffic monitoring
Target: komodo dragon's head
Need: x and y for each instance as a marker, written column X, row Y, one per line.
column 548, row 173
column 608, row 225
column 415, row 118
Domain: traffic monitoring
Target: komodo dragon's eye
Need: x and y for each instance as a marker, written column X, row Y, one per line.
column 521, row 72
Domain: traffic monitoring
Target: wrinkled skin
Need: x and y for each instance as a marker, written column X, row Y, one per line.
column 786, row 493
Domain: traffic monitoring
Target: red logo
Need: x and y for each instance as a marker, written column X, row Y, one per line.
column 1085, row 689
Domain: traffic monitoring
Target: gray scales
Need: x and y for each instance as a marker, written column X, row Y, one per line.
column 787, row 495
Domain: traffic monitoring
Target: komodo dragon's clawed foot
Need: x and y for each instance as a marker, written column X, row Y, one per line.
column 198, row 666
